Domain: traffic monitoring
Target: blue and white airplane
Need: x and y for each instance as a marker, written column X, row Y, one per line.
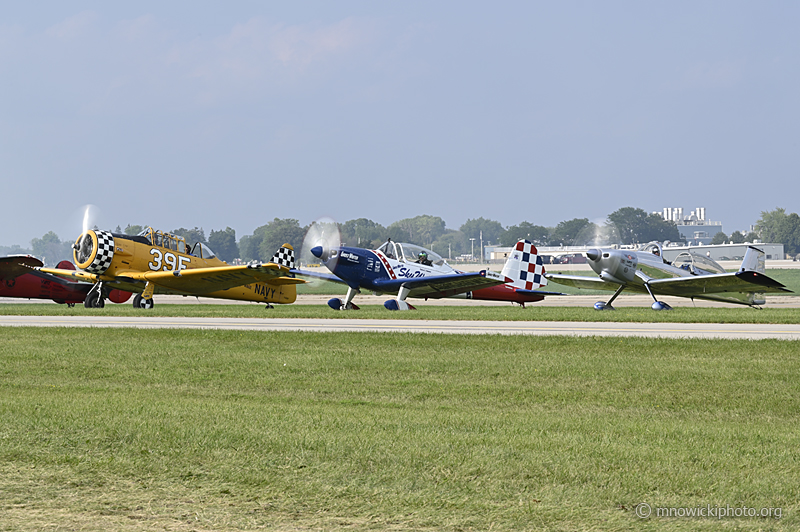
column 408, row 270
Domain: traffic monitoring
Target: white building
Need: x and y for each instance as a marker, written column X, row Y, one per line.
column 694, row 228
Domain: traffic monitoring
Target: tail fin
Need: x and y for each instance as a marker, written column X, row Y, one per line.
column 753, row 260
column 284, row 256
column 524, row 265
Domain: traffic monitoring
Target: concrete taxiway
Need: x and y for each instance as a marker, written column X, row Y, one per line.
column 651, row 330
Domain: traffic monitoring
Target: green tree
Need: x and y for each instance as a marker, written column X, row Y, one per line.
column 51, row 250
column 537, row 234
column 751, row 237
column 780, row 228
column 133, row 230
column 362, row 232
column 565, row 232
column 737, row 237
column 248, row 247
column 16, row 249
column 492, row 230
column 223, row 243
column 451, row 244
column 268, row 238
column 719, row 238
column 192, row 236
column 660, row 230
column 636, row 226
column 420, row 230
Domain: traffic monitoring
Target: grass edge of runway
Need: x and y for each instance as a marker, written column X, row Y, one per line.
column 469, row 313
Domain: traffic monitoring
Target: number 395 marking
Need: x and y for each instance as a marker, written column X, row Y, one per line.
column 166, row 261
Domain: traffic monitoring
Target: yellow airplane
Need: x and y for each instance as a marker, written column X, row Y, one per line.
column 154, row 262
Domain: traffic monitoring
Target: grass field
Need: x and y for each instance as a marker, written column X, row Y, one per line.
column 533, row 312
column 223, row 430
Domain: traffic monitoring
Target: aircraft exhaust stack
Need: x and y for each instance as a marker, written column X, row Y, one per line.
column 593, row 254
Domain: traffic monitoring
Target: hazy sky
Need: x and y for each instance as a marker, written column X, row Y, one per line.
column 218, row 114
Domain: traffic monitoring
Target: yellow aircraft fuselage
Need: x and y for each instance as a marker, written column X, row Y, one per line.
column 154, row 251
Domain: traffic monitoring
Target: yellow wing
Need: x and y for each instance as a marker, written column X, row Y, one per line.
column 196, row 281
column 76, row 275
column 206, row 280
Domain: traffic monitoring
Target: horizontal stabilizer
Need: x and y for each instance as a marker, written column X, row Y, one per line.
column 539, row 292
column 317, row 275
column 16, row 265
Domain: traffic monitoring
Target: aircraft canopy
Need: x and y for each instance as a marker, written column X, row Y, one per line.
column 409, row 252
column 694, row 262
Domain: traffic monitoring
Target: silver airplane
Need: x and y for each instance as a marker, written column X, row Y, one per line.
column 689, row 275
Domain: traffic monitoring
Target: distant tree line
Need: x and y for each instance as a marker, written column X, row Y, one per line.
column 627, row 225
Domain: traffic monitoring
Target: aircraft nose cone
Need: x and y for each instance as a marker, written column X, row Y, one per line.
column 593, row 254
column 316, row 251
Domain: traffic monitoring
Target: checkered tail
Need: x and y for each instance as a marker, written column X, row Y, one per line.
column 524, row 266
column 284, row 256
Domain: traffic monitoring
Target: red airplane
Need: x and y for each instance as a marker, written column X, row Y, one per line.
column 19, row 279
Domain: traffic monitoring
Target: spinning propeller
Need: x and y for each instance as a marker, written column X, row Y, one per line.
column 84, row 247
column 321, row 237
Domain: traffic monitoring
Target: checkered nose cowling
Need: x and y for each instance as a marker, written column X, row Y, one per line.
column 94, row 251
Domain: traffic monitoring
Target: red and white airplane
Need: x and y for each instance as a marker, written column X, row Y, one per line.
column 19, row 278
column 408, row 270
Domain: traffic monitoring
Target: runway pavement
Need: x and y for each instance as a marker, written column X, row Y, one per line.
column 650, row 330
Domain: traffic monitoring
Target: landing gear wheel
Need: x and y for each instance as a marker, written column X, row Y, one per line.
column 140, row 302
column 268, row 307
column 94, row 300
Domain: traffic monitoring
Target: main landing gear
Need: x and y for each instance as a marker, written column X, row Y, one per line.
column 399, row 303
column 95, row 299
column 657, row 305
column 140, row 302
column 347, row 304
column 607, row 306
